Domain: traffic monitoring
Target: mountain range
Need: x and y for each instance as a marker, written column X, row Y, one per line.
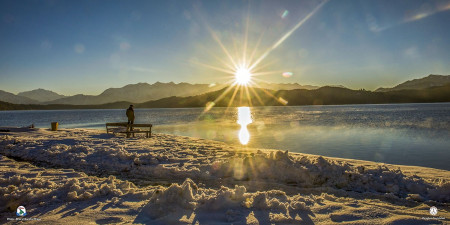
column 137, row 93
column 12, row 98
column 41, row 95
column 425, row 82
column 144, row 92
column 321, row 96
column 288, row 86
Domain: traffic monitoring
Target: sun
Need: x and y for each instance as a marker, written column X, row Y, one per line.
column 242, row 76
column 244, row 70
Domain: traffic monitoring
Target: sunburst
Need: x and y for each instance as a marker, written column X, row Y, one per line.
column 243, row 69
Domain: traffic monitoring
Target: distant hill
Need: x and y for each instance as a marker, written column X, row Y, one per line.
column 144, row 92
column 337, row 85
column 338, row 96
column 41, row 95
column 137, row 93
column 11, row 106
column 10, row 97
column 322, row 96
column 426, row 82
column 289, row 86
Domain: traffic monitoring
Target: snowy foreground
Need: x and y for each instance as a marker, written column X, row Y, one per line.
column 81, row 176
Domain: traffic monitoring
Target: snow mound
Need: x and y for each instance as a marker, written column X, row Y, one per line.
column 313, row 172
column 176, row 158
column 16, row 190
column 228, row 203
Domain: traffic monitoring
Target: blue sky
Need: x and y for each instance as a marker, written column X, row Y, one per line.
column 85, row 47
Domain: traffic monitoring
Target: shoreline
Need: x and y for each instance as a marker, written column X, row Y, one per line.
column 215, row 182
column 101, row 128
column 121, row 108
column 406, row 168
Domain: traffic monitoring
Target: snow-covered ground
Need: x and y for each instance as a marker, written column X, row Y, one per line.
column 81, row 175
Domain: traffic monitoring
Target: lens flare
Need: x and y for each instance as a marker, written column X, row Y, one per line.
column 285, row 13
column 287, row 74
column 421, row 14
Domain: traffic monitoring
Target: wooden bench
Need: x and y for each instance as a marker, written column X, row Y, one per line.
column 110, row 127
column 129, row 131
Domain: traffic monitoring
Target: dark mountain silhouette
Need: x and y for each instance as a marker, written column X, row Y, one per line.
column 137, row 93
column 10, row 97
column 288, row 86
column 11, row 106
column 425, row 82
column 41, row 95
column 143, row 92
column 322, row 96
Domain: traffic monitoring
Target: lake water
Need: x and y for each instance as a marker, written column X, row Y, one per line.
column 407, row 134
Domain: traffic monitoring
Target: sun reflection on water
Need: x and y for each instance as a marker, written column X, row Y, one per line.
column 244, row 119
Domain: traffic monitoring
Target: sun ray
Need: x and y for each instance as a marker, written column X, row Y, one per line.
column 244, row 51
column 268, row 73
column 242, row 72
column 285, row 36
column 256, row 95
column 236, row 48
column 232, row 97
column 213, row 67
column 417, row 16
column 257, row 79
column 219, row 98
column 241, row 93
column 227, row 83
column 264, row 66
column 228, row 79
column 217, row 57
column 231, row 101
column 216, row 38
column 248, row 96
column 271, row 95
column 250, row 59
column 228, row 65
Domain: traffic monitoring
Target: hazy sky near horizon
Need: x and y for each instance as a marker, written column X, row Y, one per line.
column 85, row 47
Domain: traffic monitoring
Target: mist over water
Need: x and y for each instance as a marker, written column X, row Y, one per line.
column 408, row 134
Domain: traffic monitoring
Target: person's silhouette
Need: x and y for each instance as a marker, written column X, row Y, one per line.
column 130, row 115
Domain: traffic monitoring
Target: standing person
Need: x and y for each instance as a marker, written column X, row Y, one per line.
column 130, row 115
